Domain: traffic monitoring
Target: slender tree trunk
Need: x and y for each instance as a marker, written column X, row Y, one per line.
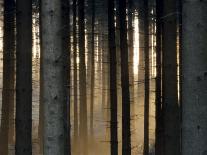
column 82, row 78
column 8, row 76
column 170, row 90
column 131, row 49
column 159, row 116
column 141, row 65
column 24, row 78
column 126, row 133
column 92, row 67
column 194, row 86
column 66, row 64
column 54, row 85
column 75, row 90
column 113, row 83
column 146, row 83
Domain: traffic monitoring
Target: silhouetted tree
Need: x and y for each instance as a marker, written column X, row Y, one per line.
column 7, row 116
column 113, row 83
column 170, row 91
column 126, row 133
column 24, row 77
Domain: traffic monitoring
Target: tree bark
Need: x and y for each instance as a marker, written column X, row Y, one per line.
column 194, row 86
column 24, row 78
column 7, row 118
column 126, row 133
column 170, row 90
column 55, row 78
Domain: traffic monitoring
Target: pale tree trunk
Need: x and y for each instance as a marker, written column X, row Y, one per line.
column 54, row 85
column 126, row 133
column 75, row 89
column 8, row 77
column 24, row 78
column 82, row 79
column 170, row 91
column 194, row 86
column 131, row 49
column 113, row 78
column 92, row 78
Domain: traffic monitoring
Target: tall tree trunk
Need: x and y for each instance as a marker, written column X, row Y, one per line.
column 66, row 64
column 194, row 86
column 131, row 49
column 82, row 78
column 126, row 134
column 159, row 116
column 113, row 82
column 146, row 82
column 75, row 89
column 54, row 85
column 170, row 91
column 24, row 78
column 92, row 67
column 8, row 76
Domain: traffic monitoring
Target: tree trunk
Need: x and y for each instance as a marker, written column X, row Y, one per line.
column 82, row 78
column 146, row 82
column 170, row 91
column 194, row 86
column 24, row 78
column 92, row 66
column 66, row 64
column 7, row 118
column 126, row 133
column 75, row 89
column 159, row 116
column 55, row 79
column 113, row 82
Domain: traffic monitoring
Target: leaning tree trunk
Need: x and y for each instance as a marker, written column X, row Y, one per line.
column 113, row 79
column 8, row 76
column 126, row 134
column 82, row 78
column 54, row 85
column 194, row 87
column 146, row 82
column 170, row 91
column 24, row 78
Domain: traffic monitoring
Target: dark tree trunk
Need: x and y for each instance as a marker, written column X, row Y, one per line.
column 171, row 111
column 159, row 116
column 66, row 64
column 126, row 134
column 82, row 78
column 113, row 73
column 146, row 83
column 7, row 116
column 24, row 78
